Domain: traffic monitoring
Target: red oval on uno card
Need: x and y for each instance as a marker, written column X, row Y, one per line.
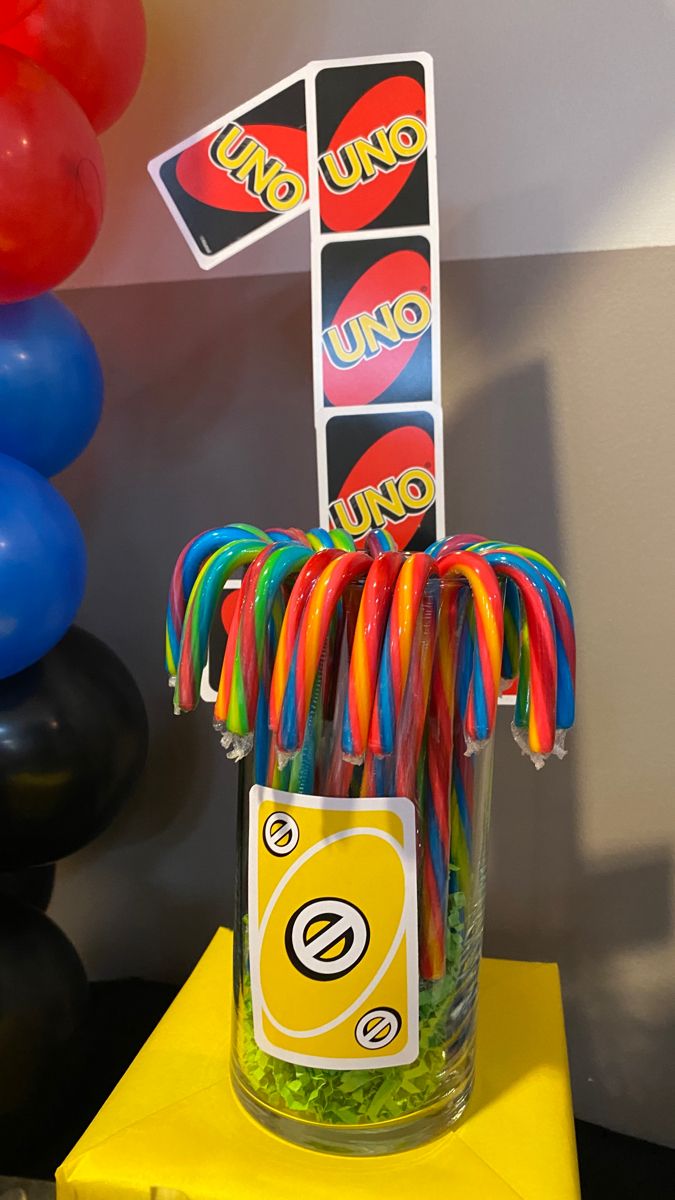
column 388, row 458
column 202, row 179
column 404, row 271
column 227, row 608
column 398, row 96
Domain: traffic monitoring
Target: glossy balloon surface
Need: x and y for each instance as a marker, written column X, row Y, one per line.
column 43, row 996
column 51, row 385
column 95, row 48
column 42, row 566
column 73, row 741
column 12, row 11
column 52, row 182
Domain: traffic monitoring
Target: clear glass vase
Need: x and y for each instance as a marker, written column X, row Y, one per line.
column 410, row 1071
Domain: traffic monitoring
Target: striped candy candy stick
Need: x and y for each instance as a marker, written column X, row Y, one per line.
column 300, row 593
column 378, row 542
column 436, row 832
column 541, row 726
column 263, row 581
column 203, row 602
column 309, row 645
column 188, row 565
column 412, row 721
column 396, row 651
column 563, row 619
column 370, row 629
column 231, row 676
column 488, row 619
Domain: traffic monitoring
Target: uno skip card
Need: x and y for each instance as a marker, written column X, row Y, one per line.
column 372, row 143
column 382, row 469
column 378, row 341
column 333, row 929
column 240, row 177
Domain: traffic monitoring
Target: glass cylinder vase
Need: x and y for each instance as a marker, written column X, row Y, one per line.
column 359, row 906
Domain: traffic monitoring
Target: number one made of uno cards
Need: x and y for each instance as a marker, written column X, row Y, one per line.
column 353, row 141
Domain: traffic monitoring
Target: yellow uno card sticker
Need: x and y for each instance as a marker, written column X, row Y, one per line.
column 333, row 929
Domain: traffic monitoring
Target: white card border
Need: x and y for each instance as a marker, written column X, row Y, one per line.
column 405, row 810
column 325, row 415
column 312, row 70
column 317, row 247
column 208, row 261
column 318, row 238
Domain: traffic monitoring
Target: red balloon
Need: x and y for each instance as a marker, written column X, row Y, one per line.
column 52, row 182
column 95, row 48
column 13, row 11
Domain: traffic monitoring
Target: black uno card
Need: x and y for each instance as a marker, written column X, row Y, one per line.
column 377, row 316
column 238, row 178
column 378, row 470
column 373, row 144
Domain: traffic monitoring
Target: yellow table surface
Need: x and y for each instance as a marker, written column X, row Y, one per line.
column 172, row 1128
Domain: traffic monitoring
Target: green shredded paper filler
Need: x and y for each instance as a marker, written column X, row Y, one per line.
column 357, row 1097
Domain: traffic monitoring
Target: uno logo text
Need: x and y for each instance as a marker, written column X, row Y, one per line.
column 413, row 492
column 362, row 159
column 364, row 336
column 248, row 162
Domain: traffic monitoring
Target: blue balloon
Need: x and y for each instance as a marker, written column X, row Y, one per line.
column 43, row 566
column 51, row 385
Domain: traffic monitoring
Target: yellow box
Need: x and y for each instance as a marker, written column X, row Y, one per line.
column 173, row 1130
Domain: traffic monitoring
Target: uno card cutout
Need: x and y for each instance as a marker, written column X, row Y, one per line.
column 375, row 143
column 382, row 469
column 379, row 332
column 360, row 135
column 241, row 176
column 333, row 952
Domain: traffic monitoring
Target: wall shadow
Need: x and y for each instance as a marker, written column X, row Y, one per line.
column 547, row 898
column 207, row 419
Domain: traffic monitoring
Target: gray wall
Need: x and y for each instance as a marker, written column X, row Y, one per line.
column 555, row 120
column 559, row 432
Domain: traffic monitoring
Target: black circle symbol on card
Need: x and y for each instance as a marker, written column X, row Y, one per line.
column 281, row 834
column 377, row 1028
column 326, row 938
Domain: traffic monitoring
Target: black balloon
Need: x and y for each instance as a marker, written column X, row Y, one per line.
column 73, row 741
column 33, row 885
column 43, row 995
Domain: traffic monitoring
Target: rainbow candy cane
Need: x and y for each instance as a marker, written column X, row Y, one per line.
column 396, row 651
column 563, row 618
column 484, row 683
column 436, row 828
column 297, row 601
column 370, row 628
column 542, row 649
column 483, row 691
column 265, row 577
column 184, row 576
column 309, row 645
column 512, row 616
column 203, row 601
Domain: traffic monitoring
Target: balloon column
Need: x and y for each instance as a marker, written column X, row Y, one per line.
column 73, row 729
